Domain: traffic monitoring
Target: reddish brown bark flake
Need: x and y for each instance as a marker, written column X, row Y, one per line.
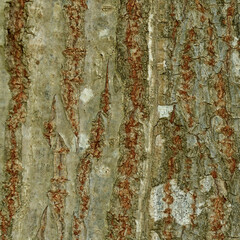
column 106, row 95
column 218, row 217
column 188, row 166
column 97, row 133
column 210, row 47
column 125, row 194
column 187, row 75
column 228, row 38
column 176, row 24
column 193, row 215
column 120, row 227
column 214, row 174
column 200, row 7
column 50, row 125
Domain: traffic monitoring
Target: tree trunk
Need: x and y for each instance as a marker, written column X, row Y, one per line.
column 119, row 119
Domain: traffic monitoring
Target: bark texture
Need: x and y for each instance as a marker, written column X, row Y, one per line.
column 120, row 119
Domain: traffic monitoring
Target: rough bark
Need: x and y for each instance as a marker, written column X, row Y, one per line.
column 119, row 119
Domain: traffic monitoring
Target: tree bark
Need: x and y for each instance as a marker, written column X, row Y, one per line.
column 119, row 119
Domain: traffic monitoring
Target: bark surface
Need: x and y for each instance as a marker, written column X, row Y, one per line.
column 120, row 119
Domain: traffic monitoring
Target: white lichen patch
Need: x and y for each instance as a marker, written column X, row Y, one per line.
column 181, row 206
column 206, row 184
column 221, row 187
column 161, row 65
column 86, row 95
column 191, row 141
column 150, row 29
column 104, row 32
column 156, row 204
column 159, row 141
column 138, row 225
column 164, row 111
column 83, row 141
column 154, row 236
column 107, row 8
column 103, row 171
column 235, row 42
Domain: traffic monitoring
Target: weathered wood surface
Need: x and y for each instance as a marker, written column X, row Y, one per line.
column 119, row 119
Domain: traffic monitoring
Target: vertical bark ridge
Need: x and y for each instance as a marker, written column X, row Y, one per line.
column 226, row 143
column 18, row 84
column 198, row 86
column 43, row 223
column 92, row 153
column 58, row 193
column 132, row 50
column 75, row 54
